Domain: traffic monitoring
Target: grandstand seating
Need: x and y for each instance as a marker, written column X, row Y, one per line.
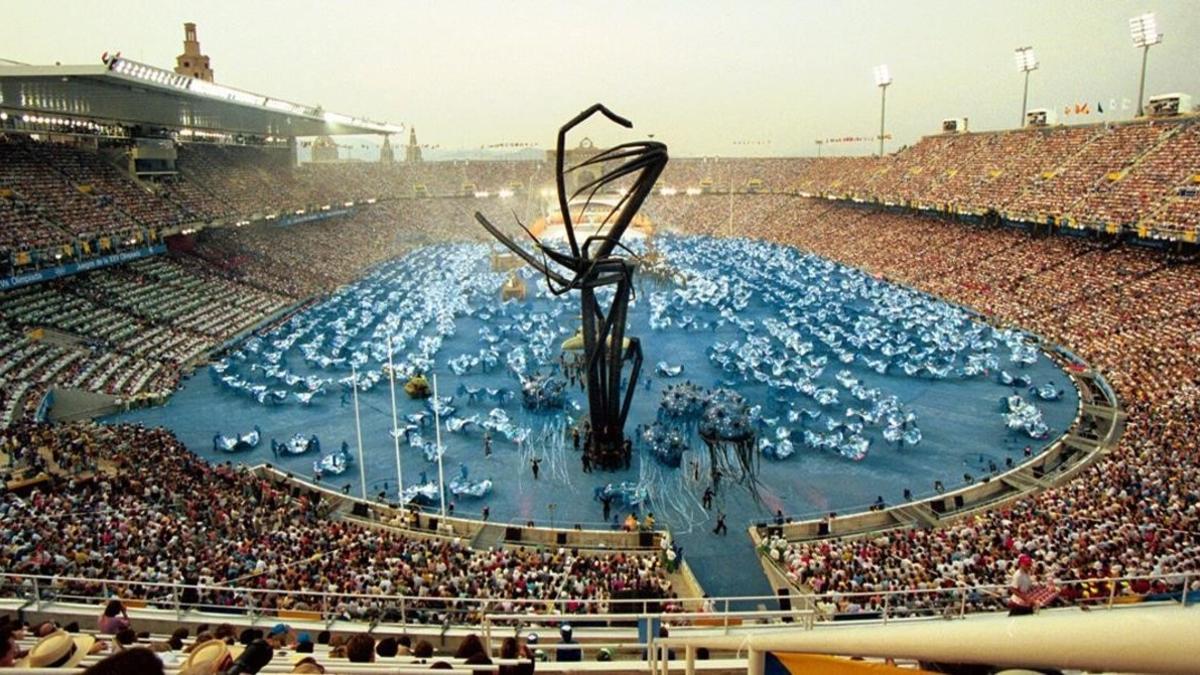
column 133, row 329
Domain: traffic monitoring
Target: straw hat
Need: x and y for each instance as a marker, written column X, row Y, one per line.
column 209, row 657
column 59, row 649
column 308, row 666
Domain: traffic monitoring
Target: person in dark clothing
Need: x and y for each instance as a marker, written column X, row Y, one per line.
column 721, row 528
column 572, row 653
column 706, row 500
column 536, row 465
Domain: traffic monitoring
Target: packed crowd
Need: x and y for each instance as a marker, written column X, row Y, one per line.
column 117, row 647
column 1132, row 313
column 216, row 527
column 1096, row 175
column 126, row 331
column 322, row 255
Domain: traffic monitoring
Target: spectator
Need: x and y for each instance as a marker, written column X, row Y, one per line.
column 361, row 649
column 114, row 618
column 140, row 660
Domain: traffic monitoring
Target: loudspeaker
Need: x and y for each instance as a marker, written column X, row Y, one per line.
column 823, row 528
column 958, row 501
column 360, row 510
column 432, row 524
column 938, row 505
column 646, row 539
column 512, row 533
column 560, row 538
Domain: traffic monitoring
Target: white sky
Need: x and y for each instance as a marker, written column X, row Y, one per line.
column 699, row 75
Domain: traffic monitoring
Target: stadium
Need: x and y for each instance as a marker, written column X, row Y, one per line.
column 283, row 390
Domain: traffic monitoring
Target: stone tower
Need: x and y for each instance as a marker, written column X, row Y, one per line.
column 191, row 62
column 324, row 149
column 386, row 154
column 412, row 153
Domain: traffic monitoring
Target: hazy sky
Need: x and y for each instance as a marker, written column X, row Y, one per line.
column 701, row 75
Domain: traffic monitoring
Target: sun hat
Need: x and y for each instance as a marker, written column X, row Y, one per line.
column 59, row 649
column 209, row 657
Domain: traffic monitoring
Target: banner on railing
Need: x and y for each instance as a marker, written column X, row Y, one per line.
column 296, row 219
column 18, row 280
column 787, row 663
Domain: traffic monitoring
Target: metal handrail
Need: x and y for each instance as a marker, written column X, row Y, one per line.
column 882, row 605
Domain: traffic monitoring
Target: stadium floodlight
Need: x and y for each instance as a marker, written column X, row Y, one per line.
column 1026, row 63
column 883, row 77
column 1144, row 31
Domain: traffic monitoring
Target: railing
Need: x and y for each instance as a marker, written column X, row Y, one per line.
column 186, row 600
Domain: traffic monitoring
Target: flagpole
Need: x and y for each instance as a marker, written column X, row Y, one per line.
column 437, row 430
column 395, row 430
column 362, row 469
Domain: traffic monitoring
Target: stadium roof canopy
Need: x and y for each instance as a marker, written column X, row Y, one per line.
column 126, row 92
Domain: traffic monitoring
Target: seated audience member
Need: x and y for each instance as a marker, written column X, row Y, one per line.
column 423, row 649
column 571, row 653
column 308, row 665
column 114, row 619
column 304, row 644
column 361, row 649
column 387, row 647
column 139, row 660
column 8, row 647
column 512, row 649
column 210, row 658
column 470, row 646
column 59, row 649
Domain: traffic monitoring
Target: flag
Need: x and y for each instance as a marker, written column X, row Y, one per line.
column 1099, row 108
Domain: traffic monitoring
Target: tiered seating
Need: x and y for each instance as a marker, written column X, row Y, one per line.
column 30, row 174
column 110, row 185
column 1148, row 183
column 1129, row 313
column 1100, row 161
column 21, row 228
column 188, row 498
column 134, row 326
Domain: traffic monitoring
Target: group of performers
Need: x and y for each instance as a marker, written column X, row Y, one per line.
column 593, row 456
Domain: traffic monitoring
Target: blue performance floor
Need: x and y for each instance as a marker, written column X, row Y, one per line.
column 779, row 320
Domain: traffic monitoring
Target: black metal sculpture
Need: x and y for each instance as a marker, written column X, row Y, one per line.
column 588, row 270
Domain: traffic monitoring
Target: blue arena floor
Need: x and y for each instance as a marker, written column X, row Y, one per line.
column 777, row 311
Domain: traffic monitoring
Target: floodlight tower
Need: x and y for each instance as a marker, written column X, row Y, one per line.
column 1144, row 30
column 883, row 77
column 1026, row 63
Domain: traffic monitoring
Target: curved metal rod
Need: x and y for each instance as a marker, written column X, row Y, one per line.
column 562, row 149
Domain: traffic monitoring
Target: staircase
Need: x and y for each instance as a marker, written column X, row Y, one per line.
column 915, row 514
column 489, row 536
